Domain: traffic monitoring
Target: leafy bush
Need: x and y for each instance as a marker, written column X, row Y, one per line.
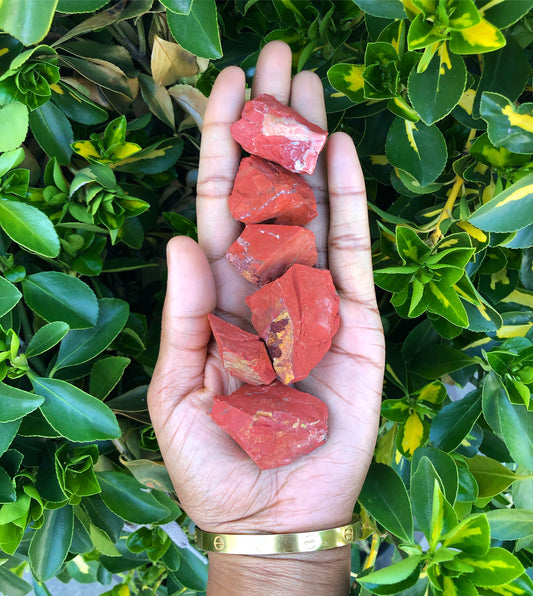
column 99, row 112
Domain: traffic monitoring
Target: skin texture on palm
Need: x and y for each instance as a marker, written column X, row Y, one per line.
column 219, row 487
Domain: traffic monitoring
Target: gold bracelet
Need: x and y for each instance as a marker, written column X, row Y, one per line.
column 273, row 544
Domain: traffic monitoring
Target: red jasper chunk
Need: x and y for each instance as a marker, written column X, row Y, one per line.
column 243, row 354
column 265, row 191
column 263, row 252
column 278, row 133
column 274, row 424
column 297, row 316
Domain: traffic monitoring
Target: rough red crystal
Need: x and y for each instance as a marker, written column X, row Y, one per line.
column 263, row 252
column 265, row 191
column 243, row 354
column 297, row 316
column 274, row 424
column 278, row 133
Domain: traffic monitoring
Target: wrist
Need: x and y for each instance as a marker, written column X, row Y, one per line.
column 319, row 573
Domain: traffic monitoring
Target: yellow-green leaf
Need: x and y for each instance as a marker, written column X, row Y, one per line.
column 86, row 149
column 483, row 37
column 348, row 79
column 498, row 566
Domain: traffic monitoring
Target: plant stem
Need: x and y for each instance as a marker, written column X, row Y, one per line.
column 374, row 547
column 447, row 209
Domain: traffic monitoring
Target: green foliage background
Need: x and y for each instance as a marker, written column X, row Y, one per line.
column 100, row 111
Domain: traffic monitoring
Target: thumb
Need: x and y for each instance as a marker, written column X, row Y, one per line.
column 185, row 330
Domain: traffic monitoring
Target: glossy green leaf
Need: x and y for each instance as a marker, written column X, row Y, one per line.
column 504, row 14
column 46, row 338
column 53, row 132
column 442, row 299
column 76, row 106
column 7, row 488
column 16, row 403
column 28, row 22
column 81, row 345
column 393, row 574
column 129, row 499
column 508, row 211
column 410, row 247
column 178, row 6
column 56, row 296
column 105, row 374
column 51, row 542
column 507, row 125
column 471, row 536
column 77, row 415
column 436, row 91
column 385, row 9
column 14, row 123
column 8, row 431
column 498, row 566
column 11, row 584
column 9, row 296
column 441, row 359
column 454, row 421
column 521, row 586
column 392, row 508
column 347, row 79
column 156, row 158
column 445, row 467
column 510, row 524
column 29, row 227
column 483, row 37
column 418, row 149
column 514, row 423
column 492, row 476
column 80, row 6
column 192, row 572
column 197, row 31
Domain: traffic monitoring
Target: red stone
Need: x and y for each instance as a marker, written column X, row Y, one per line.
column 265, row 191
column 243, row 354
column 297, row 316
column 274, row 424
column 263, row 252
column 278, row 133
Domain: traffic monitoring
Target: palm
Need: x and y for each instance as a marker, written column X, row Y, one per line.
column 218, row 485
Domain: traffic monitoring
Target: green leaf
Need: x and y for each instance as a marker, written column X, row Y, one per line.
column 14, row 123
column 76, row 106
column 53, row 132
column 385, row 9
column 192, row 572
column 348, row 79
column 29, row 227
column 129, row 499
column 392, row 574
column 11, row 584
column 154, row 159
column 507, row 125
column 7, row 488
column 105, row 374
column 442, row 299
column 9, row 296
column 80, row 345
column 439, row 360
column 504, row 14
column 510, row 524
column 28, row 22
column 483, row 37
column 55, row 296
column 157, row 99
column 8, row 431
column 51, row 542
column 454, row 421
column 436, row 91
column 418, row 149
column 16, row 403
column 445, row 467
column 178, row 6
column 10, row 160
column 197, row 31
column 46, row 337
column 77, row 415
column 492, row 477
column 80, row 6
column 513, row 423
column 391, row 508
column 471, row 536
column 498, row 566
column 411, row 248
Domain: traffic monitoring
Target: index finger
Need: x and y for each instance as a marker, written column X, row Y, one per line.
column 219, row 161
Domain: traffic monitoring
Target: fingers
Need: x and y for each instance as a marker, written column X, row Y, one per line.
column 273, row 71
column 307, row 98
column 350, row 259
column 185, row 327
column 219, row 161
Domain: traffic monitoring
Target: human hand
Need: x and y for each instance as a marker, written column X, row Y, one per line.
column 218, row 486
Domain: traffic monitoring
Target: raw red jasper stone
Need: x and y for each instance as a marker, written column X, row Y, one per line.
column 243, row 354
column 278, row 133
column 297, row 316
column 263, row 252
column 274, row 424
column 265, row 191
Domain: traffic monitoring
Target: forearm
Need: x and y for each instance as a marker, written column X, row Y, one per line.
column 324, row 573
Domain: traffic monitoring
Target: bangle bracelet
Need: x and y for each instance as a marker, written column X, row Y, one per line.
column 273, row 544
